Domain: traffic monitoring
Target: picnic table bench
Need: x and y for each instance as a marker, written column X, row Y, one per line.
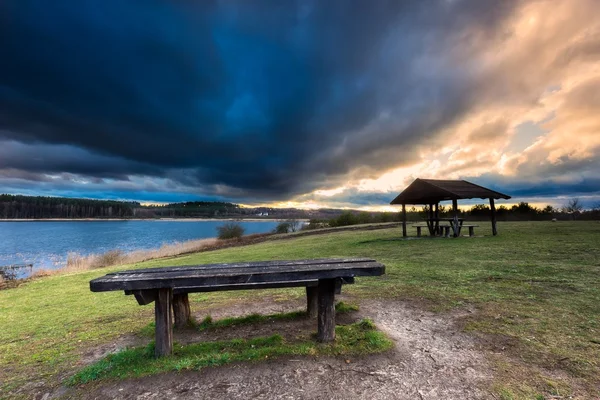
column 445, row 229
column 168, row 287
column 471, row 229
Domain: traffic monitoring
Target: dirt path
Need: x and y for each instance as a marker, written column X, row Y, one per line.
column 432, row 359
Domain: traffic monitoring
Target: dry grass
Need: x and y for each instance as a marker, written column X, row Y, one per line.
column 77, row 262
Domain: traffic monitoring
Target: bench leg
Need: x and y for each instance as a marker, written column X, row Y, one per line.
column 326, row 318
column 471, row 231
column 418, row 231
column 163, row 334
column 312, row 301
column 181, row 310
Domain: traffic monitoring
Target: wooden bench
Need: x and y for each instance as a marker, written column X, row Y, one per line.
column 170, row 285
column 471, row 229
column 419, row 227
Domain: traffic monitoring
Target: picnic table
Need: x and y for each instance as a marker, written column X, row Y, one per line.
column 455, row 224
column 437, row 229
column 161, row 285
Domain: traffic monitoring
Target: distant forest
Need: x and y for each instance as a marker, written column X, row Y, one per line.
column 29, row 207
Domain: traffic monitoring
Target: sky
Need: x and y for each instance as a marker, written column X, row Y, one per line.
column 299, row 103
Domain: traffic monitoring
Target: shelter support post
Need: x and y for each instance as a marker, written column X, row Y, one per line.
column 403, row 220
column 437, row 219
column 430, row 223
column 493, row 212
column 455, row 224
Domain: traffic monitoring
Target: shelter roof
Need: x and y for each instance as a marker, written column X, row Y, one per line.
column 429, row 191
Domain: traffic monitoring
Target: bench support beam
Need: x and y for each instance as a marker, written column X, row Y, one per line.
column 312, row 301
column 163, row 334
column 143, row 297
column 181, row 310
column 326, row 317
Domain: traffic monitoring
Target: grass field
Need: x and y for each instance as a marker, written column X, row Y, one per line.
column 536, row 289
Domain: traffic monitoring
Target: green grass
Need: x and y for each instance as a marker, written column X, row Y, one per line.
column 535, row 286
column 355, row 339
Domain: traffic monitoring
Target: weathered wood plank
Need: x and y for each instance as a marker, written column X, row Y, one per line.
column 312, row 301
column 326, row 312
column 249, row 286
column 181, row 310
column 270, row 263
column 163, row 333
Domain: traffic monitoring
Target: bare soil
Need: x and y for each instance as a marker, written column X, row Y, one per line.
column 432, row 359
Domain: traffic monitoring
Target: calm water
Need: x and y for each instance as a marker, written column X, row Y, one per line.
column 46, row 244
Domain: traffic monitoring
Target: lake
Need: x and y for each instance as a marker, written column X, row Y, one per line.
column 45, row 244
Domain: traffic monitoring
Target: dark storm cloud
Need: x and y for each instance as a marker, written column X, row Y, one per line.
column 250, row 99
column 54, row 159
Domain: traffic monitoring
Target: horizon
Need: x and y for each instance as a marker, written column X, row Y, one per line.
column 304, row 105
column 464, row 204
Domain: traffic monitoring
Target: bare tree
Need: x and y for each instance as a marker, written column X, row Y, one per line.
column 573, row 206
column 294, row 225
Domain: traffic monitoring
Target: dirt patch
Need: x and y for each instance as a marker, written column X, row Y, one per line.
column 432, row 359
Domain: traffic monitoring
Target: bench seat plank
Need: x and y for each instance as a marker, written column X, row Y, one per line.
column 189, row 276
column 282, row 264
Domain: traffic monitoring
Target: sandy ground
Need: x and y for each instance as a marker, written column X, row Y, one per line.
column 432, row 359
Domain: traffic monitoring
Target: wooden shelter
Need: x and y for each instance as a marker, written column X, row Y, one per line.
column 431, row 192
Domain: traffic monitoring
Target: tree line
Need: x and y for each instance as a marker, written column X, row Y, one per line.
column 523, row 211
column 39, row 207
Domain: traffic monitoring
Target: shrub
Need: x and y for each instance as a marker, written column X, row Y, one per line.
column 345, row 219
column 230, row 230
column 364, row 217
column 110, row 258
column 282, row 227
column 315, row 224
column 291, row 225
column 294, row 225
